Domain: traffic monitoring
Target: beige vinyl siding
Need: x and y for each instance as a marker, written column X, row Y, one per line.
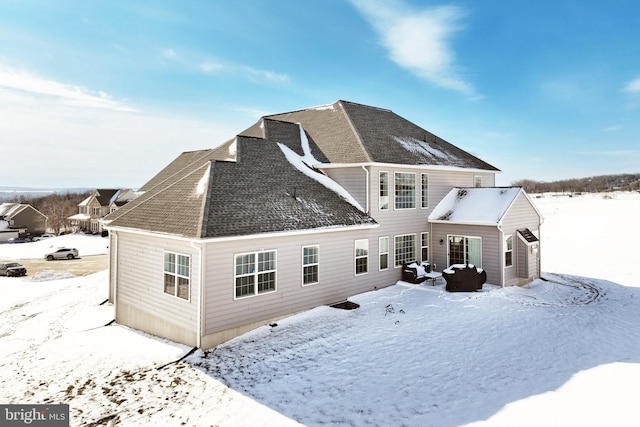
column 491, row 246
column 337, row 280
column 141, row 301
column 521, row 214
column 352, row 179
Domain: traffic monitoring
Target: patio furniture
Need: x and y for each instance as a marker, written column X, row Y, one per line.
column 418, row 273
column 464, row 278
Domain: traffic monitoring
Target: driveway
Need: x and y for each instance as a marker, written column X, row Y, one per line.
column 78, row 267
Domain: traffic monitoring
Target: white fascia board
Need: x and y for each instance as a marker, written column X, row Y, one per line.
column 484, row 224
column 237, row 238
column 403, row 166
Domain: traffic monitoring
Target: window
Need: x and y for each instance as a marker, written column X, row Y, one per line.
column 424, row 186
column 465, row 250
column 477, row 181
column 96, row 211
column 177, row 274
column 425, row 247
column 362, row 256
column 405, row 194
column 310, row 264
column 383, row 249
column 384, row 191
column 255, row 273
column 508, row 251
column 405, row 249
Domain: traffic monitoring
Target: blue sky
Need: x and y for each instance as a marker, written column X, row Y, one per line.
column 105, row 94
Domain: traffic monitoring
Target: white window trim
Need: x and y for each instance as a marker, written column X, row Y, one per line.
column 422, row 246
column 395, row 259
column 422, row 191
column 255, row 273
column 380, row 204
column 177, row 275
column 380, row 253
column 506, row 238
column 395, row 194
column 356, row 257
column 311, row 264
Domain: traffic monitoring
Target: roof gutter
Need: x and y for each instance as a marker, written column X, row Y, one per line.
column 245, row 237
column 366, row 173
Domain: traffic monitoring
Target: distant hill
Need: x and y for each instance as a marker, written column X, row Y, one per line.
column 16, row 194
column 592, row 184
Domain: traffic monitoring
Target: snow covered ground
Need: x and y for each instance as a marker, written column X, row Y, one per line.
column 564, row 351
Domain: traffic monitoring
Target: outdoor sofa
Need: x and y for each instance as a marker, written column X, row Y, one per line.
column 464, row 278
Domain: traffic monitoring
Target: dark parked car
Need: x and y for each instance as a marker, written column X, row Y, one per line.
column 12, row 269
column 62, row 253
column 17, row 240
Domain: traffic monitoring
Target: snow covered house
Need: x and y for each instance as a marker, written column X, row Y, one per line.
column 302, row 209
column 24, row 217
column 99, row 204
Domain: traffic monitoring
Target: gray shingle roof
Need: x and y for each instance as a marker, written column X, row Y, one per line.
column 261, row 192
column 354, row 133
column 247, row 186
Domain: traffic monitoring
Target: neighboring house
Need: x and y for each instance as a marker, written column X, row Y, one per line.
column 99, row 204
column 302, row 209
column 23, row 216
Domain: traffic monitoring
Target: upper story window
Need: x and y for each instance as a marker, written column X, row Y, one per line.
column 405, row 190
column 177, row 274
column 424, row 187
column 255, row 273
column 96, row 211
column 384, row 191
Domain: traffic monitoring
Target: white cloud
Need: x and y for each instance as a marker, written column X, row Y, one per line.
column 64, row 94
column 419, row 40
column 193, row 61
column 633, row 86
column 62, row 136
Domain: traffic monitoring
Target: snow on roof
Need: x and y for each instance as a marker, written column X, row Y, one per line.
column 414, row 145
column 85, row 202
column 303, row 164
column 484, row 205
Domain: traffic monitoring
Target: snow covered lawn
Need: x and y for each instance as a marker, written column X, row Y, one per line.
column 564, row 351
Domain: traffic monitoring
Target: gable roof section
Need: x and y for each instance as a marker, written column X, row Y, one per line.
column 260, row 192
column 347, row 132
column 480, row 206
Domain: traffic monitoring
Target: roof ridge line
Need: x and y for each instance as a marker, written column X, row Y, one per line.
column 355, row 131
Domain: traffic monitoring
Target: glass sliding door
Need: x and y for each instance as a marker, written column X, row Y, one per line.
column 465, row 250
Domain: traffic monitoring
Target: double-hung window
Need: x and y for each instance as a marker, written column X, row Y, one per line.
column 405, row 249
column 362, row 256
column 255, row 273
column 177, row 274
column 425, row 247
column 383, row 250
column 424, row 189
column 310, row 264
column 383, row 201
column 508, row 251
column 405, row 190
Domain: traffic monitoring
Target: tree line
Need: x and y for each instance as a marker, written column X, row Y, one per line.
column 593, row 184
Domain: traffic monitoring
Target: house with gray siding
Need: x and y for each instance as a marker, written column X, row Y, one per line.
column 302, row 209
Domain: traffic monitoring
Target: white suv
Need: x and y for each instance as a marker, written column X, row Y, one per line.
column 44, row 236
column 62, row 253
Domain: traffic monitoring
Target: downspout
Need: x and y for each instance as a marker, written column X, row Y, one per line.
column 366, row 173
column 113, row 265
column 199, row 320
column 501, row 248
